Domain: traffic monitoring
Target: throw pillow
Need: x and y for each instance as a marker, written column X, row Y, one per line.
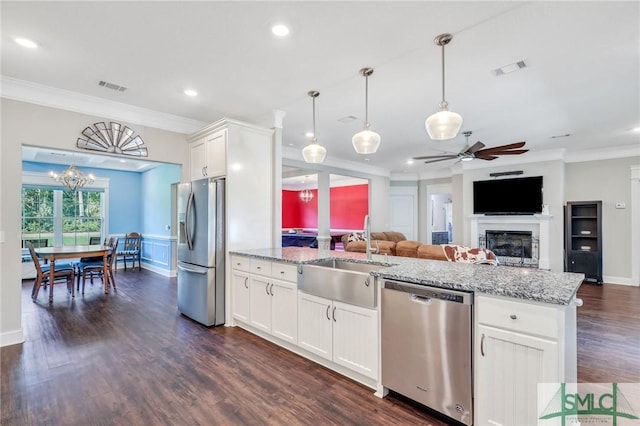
column 356, row 236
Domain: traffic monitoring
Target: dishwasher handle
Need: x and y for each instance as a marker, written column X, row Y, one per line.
column 425, row 293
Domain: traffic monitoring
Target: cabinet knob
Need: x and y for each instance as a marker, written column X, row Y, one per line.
column 513, row 316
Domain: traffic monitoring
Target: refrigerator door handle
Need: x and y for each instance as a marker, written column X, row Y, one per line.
column 188, row 221
column 201, row 271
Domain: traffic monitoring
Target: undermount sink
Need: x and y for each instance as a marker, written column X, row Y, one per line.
column 340, row 280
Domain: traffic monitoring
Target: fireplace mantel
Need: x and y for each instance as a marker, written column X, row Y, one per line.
column 538, row 224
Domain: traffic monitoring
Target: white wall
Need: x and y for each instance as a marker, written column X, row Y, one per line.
column 608, row 181
column 553, row 195
column 29, row 124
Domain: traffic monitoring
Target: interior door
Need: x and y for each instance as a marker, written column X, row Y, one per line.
column 403, row 211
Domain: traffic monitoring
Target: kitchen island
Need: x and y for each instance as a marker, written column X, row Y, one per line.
column 523, row 322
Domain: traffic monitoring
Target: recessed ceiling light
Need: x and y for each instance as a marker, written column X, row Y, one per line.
column 190, row 92
column 280, row 30
column 409, row 161
column 25, row 42
column 637, row 129
column 309, row 134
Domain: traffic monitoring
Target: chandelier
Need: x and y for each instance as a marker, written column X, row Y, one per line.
column 306, row 195
column 72, row 178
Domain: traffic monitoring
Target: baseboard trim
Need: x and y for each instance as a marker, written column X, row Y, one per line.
column 165, row 272
column 11, row 337
column 620, row 280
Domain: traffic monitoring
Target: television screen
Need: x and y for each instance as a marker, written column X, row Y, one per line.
column 508, row 196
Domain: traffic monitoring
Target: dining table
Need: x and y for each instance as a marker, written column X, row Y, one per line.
column 72, row 252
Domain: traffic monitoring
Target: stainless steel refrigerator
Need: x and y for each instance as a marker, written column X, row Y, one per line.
column 201, row 251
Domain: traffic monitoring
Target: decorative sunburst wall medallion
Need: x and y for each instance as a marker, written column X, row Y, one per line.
column 116, row 138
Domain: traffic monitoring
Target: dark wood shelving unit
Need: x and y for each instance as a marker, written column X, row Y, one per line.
column 583, row 239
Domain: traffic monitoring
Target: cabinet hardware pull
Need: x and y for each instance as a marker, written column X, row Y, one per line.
column 258, row 267
column 245, row 282
column 482, row 345
column 271, row 290
column 328, row 306
column 267, row 288
column 282, row 272
column 366, row 281
column 334, row 314
column 513, row 316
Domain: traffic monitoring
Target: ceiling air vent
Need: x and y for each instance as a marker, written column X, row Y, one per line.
column 509, row 68
column 112, row 86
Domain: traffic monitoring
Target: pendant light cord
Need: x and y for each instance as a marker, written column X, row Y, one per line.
column 366, row 99
column 443, row 98
column 314, row 119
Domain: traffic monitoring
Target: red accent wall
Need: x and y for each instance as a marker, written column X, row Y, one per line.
column 348, row 206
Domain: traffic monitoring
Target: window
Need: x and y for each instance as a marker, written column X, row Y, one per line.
column 62, row 217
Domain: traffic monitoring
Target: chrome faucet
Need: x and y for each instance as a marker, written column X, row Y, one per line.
column 367, row 237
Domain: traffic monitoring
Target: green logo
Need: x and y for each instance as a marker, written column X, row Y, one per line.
column 564, row 405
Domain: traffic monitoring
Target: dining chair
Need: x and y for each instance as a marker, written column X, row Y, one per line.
column 62, row 270
column 96, row 267
column 93, row 241
column 130, row 248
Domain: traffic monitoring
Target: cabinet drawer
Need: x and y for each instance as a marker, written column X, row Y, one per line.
column 518, row 316
column 261, row 267
column 284, row 271
column 240, row 263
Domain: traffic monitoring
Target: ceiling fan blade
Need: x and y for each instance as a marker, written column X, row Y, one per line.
column 504, row 147
column 427, row 157
column 474, row 148
column 486, row 157
column 511, row 152
column 440, row 159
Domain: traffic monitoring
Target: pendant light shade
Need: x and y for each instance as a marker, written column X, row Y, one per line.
column 314, row 152
column 366, row 141
column 444, row 124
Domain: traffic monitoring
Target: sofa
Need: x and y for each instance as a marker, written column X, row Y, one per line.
column 396, row 244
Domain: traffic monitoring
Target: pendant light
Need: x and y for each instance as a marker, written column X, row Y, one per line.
column 314, row 152
column 444, row 124
column 366, row 141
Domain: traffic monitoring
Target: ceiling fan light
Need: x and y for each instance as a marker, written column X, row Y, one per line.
column 366, row 141
column 466, row 158
column 444, row 124
column 314, row 153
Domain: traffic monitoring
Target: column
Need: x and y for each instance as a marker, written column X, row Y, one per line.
column 324, row 213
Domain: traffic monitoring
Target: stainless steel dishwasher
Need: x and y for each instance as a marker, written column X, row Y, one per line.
column 426, row 346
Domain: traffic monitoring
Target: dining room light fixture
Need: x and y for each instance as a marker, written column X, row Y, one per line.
column 444, row 124
column 314, row 152
column 72, row 178
column 366, row 141
column 306, row 195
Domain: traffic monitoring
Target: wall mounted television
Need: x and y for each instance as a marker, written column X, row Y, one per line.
column 519, row 196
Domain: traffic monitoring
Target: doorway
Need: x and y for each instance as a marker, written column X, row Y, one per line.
column 439, row 214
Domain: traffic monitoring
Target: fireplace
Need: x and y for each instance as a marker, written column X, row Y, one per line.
column 512, row 248
column 534, row 254
column 510, row 243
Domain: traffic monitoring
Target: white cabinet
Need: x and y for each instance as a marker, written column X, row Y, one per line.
column 266, row 297
column 240, row 299
column 345, row 334
column 208, row 155
column 518, row 345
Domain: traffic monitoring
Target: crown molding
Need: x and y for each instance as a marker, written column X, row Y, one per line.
column 25, row 91
column 333, row 163
column 602, row 154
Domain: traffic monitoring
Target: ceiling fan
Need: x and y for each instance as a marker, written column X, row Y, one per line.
column 468, row 153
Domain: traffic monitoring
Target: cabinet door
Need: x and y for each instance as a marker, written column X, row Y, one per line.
column 240, row 295
column 216, row 154
column 284, row 310
column 315, row 324
column 260, row 303
column 198, row 159
column 509, row 367
column 355, row 338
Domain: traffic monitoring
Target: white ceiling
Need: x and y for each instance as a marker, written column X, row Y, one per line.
column 582, row 75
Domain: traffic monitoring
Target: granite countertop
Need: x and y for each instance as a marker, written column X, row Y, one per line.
column 519, row 283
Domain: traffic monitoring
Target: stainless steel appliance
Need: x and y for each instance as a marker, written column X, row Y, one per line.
column 201, row 251
column 426, row 346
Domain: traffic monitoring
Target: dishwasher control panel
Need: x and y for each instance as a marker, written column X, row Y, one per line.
column 423, row 293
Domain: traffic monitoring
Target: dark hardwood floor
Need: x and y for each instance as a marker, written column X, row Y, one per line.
column 129, row 358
